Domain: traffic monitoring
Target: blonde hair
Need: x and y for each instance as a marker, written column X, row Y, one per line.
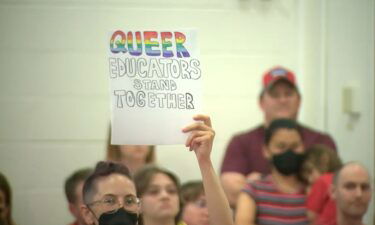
column 114, row 153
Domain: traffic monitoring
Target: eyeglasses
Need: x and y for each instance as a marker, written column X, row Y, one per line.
column 111, row 203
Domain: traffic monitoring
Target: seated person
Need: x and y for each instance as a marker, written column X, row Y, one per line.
column 194, row 211
column 73, row 192
column 109, row 193
column 352, row 192
column 159, row 191
column 317, row 170
column 5, row 202
column 243, row 160
column 278, row 198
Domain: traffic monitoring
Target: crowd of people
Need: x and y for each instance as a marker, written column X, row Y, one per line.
column 278, row 173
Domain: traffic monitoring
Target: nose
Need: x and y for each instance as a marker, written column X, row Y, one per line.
column 283, row 98
column 358, row 191
column 164, row 193
column 205, row 211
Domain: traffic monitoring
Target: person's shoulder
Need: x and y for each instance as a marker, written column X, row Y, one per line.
column 252, row 132
column 326, row 178
column 312, row 137
column 322, row 180
column 311, row 131
column 260, row 185
column 265, row 182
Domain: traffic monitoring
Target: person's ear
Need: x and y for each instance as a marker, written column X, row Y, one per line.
column 332, row 191
column 6, row 211
column 299, row 100
column 261, row 102
column 73, row 210
column 88, row 215
column 266, row 152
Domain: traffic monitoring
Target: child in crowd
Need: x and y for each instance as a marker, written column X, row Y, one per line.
column 194, row 201
column 317, row 172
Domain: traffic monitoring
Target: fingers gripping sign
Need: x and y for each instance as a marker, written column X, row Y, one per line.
column 201, row 136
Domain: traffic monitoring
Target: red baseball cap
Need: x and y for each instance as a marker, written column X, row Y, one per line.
column 276, row 74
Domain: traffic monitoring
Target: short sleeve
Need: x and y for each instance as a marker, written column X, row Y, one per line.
column 318, row 196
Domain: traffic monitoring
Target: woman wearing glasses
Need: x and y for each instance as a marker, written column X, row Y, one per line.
column 109, row 193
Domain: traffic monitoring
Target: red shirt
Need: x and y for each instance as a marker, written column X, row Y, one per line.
column 244, row 152
column 320, row 202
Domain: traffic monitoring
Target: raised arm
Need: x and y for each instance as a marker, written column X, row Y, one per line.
column 200, row 140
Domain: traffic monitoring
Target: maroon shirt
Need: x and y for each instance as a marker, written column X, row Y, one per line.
column 244, row 152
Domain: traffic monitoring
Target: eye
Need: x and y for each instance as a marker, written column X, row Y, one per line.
column 131, row 200
column 153, row 191
column 109, row 200
column 289, row 93
column 350, row 186
column 171, row 190
column 365, row 187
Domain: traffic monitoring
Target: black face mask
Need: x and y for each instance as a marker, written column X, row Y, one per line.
column 121, row 217
column 288, row 163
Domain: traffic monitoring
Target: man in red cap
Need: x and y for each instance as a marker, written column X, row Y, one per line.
column 244, row 158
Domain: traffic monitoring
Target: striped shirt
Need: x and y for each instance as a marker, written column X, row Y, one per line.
column 275, row 207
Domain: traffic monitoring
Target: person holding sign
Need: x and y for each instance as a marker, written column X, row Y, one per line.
column 243, row 160
column 110, row 195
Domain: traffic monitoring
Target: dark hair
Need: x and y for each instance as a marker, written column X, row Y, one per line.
column 72, row 182
column 6, row 189
column 280, row 124
column 143, row 179
column 102, row 169
column 191, row 191
column 114, row 153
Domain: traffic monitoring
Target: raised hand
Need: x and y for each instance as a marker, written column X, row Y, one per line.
column 201, row 136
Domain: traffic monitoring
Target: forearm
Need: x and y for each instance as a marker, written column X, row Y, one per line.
column 218, row 205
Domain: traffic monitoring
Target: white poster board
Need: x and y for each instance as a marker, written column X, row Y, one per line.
column 155, row 85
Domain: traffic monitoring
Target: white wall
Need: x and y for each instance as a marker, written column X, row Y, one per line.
column 54, row 87
column 350, row 63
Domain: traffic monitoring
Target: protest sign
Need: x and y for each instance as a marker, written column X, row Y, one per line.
column 155, row 79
